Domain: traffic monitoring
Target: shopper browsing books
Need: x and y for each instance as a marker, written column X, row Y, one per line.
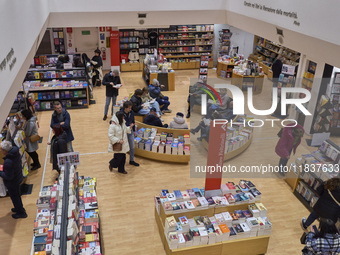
column 146, row 98
column 290, row 139
column 12, row 176
column 58, row 145
column 179, row 122
column 325, row 240
column 31, row 128
column 204, row 126
column 62, row 117
column 328, row 205
column 60, row 62
column 112, row 83
column 129, row 118
column 97, row 64
column 277, row 68
column 195, row 95
column 153, row 120
column 138, row 106
column 218, row 106
column 155, row 92
column 118, row 134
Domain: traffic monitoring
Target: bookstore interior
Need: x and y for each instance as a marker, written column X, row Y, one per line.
column 88, row 209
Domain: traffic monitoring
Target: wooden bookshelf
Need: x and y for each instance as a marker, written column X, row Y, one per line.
column 243, row 246
column 181, row 159
column 221, row 66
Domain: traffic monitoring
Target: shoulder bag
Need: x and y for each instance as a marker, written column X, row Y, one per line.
column 34, row 138
column 118, row 146
column 336, row 201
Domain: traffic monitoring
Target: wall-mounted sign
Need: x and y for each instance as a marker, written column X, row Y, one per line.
column 69, row 30
column 8, row 60
column 85, row 32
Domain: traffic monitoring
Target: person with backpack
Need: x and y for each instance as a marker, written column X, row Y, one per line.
column 324, row 240
column 328, row 205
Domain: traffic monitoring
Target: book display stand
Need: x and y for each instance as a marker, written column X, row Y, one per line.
column 311, row 170
column 256, row 242
column 182, row 155
column 67, row 220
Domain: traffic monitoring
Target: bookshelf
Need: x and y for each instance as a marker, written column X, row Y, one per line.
column 181, row 159
column 183, row 45
column 306, row 182
column 226, row 67
column 243, row 246
column 69, row 86
column 224, row 42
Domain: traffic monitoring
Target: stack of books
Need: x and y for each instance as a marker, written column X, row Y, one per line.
column 203, row 230
column 194, row 199
column 149, row 140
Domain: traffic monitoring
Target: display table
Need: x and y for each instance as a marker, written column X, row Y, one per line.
column 233, row 153
column 244, row 246
column 222, row 66
column 129, row 67
column 182, row 159
column 166, row 79
column 266, row 70
column 243, row 82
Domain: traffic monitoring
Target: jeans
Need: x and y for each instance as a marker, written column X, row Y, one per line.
column 283, row 161
column 211, row 109
column 107, row 104
column 69, row 147
column 156, row 105
column 118, row 161
column 144, row 111
column 14, row 193
column 34, row 156
column 165, row 102
column 131, row 140
column 311, row 218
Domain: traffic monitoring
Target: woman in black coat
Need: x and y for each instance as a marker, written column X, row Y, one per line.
column 328, row 205
column 58, row 145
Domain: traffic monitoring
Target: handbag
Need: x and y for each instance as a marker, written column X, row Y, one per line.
column 118, row 146
column 303, row 238
column 34, row 138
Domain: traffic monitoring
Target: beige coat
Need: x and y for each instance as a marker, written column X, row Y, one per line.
column 116, row 134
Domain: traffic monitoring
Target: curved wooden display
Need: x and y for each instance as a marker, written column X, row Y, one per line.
column 237, row 79
column 233, row 153
column 182, row 159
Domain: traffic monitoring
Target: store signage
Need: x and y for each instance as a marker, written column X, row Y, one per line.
column 86, row 32
column 69, row 30
column 238, row 96
column 8, row 60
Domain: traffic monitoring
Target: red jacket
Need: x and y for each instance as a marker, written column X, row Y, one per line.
column 286, row 142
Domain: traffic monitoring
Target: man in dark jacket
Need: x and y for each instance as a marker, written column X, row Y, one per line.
column 138, row 105
column 110, row 80
column 62, row 117
column 12, row 176
column 97, row 63
column 129, row 118
column 277, row 68
column 153, row 120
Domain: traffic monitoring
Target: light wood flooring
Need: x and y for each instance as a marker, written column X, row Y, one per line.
column 126, row 201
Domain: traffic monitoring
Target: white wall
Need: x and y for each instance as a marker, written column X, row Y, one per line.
column 23, row 24
column 240, row 38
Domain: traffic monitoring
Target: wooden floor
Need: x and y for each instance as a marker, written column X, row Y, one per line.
column 126, row 201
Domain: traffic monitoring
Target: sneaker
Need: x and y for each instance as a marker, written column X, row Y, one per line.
column 133, row 163
column 18, row 216
column 105, row 117
column 192, row 131
column 168, row 111
column 35, row 167
column 188, row 115
column 303, row 224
